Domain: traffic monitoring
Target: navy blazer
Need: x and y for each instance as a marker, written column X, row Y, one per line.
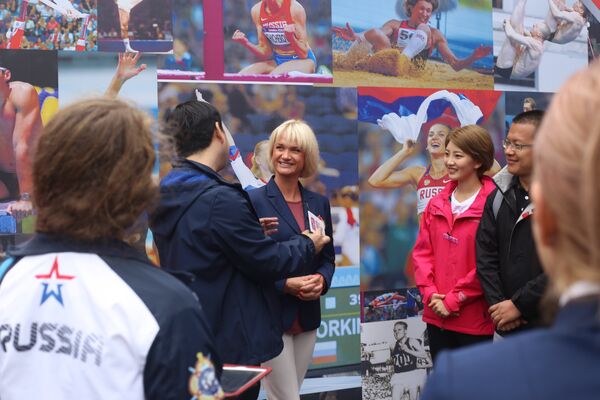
column 562, row 362
column 269, row 202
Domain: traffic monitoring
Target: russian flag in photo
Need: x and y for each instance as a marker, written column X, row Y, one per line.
column 374, row 103
column 325, row 352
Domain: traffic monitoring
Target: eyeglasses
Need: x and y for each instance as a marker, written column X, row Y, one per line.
column 516, row 146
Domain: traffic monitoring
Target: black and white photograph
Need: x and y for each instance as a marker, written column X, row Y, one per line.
column 395, row 359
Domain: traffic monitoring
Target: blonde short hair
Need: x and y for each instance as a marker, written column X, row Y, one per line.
column 298, row 132
column 567, row 170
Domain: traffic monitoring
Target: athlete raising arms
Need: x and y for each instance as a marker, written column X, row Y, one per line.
column 427, row 181
column 282, row 39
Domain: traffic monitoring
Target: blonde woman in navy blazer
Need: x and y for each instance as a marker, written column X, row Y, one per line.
column 283, row 205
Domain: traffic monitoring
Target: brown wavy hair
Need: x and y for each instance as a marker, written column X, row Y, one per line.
column 92, row 172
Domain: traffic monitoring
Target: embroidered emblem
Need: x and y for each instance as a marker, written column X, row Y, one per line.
column 203, row 383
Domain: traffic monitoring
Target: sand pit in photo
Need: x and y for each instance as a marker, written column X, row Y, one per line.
column 356, row 68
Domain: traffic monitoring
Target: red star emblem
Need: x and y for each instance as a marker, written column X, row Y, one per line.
column 54, row 271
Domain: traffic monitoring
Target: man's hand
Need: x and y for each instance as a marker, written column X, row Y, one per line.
column 294, row 285
column 318, row 239
column 269, row 225
column 20, row 209
column 504, row 312
column 509, row 326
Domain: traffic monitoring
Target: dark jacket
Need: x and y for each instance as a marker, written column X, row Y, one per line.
column 207, row 227
column 98, row 321
column 550, row 364
column 269, row 202
column 507, row 262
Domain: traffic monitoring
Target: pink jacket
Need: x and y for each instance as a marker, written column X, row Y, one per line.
column 444, row 259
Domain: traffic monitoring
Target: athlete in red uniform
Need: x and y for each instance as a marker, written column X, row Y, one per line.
column 282, row 39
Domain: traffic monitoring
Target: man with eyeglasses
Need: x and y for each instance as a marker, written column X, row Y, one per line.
column 507, row 263
column 20, row 127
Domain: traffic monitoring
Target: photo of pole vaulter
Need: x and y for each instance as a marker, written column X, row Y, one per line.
column 29, row 99
column 135, row 26
column 48, row 24
column 188, row 44
column 131, row 77
column 395, row 359
column 281, row 40
column 539, row 43
column 402, row 135
column 386, row 305
column 413, row 43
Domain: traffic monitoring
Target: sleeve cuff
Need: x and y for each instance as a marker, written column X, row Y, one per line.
column 451, row 303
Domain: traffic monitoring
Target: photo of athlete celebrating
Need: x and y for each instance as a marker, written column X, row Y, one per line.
column 282, row 39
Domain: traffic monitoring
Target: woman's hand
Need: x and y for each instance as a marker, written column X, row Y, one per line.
column 308, row 287
column 312, row 288
column 438, row 307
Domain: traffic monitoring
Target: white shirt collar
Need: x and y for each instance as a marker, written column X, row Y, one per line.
column 579, row 289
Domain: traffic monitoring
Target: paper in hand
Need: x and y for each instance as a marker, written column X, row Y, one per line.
column 315, row 223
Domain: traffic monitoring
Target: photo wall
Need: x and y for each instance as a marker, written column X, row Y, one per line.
column 381, row 82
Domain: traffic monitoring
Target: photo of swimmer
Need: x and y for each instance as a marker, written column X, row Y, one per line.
column 278, row 39
column 402, row 136
column 539, row 43
column 413, row 43
column 135, row 26
column 48, row 25
column 29, row 98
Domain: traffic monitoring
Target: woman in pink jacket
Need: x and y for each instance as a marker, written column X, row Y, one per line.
column 444, row 255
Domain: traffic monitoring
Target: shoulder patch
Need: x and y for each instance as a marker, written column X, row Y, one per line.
column 203, row 383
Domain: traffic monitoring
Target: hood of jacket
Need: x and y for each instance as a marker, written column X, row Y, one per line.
column 178, row 190
column 503, row 179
